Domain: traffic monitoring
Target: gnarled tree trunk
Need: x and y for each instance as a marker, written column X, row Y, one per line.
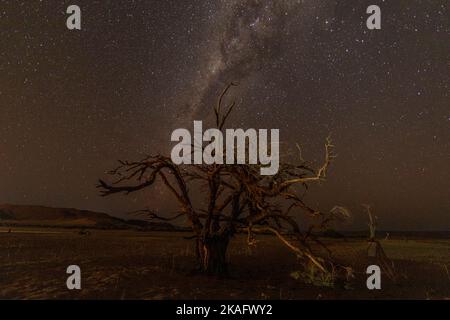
column 211, row 254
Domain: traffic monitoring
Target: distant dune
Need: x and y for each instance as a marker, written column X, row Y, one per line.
column 19, row 215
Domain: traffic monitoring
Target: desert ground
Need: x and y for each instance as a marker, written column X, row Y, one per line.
column 158, row 265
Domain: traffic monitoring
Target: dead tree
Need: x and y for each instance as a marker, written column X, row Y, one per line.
column 372, row 224
column 375, row 250
column 238, row 199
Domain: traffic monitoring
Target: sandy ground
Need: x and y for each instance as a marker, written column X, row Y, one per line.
column 157, row 265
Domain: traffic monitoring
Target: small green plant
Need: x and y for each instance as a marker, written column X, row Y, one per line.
column 313, row 275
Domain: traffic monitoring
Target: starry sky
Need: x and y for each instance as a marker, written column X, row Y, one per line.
column 73, row 102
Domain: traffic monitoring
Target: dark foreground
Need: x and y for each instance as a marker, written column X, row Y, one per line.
column 157, row 265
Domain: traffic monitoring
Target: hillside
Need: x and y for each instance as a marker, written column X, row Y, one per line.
column 20, row 215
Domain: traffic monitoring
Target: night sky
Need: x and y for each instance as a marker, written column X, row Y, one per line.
column 73, row 102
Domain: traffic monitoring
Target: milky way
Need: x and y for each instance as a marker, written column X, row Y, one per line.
column 247, row 37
